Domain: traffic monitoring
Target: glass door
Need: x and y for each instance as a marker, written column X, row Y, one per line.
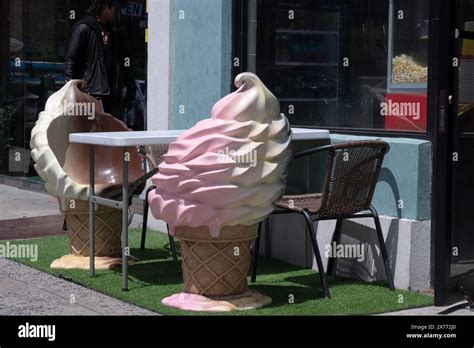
column 452, row 104
column 462, row 238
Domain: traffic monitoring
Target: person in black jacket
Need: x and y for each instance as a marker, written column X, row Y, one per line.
column 94, row 54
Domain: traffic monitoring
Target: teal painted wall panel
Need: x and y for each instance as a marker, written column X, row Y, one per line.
column 424, row 187
column 202, row 50
column 404, row 186
column 201, row 75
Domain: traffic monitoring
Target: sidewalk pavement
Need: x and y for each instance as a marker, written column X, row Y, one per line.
column 432, row 310
column 16, row 203
column 26, row 291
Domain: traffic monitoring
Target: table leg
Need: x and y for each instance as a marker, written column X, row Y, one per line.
column 125, row 250
column 91, row 211
column 268, row 241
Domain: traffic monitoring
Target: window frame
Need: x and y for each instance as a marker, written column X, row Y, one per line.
column 239, row 39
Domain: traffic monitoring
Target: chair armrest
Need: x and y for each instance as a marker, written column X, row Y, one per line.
column 148, row 158
column 151, row 161
column 312, row 151
column 325, row 148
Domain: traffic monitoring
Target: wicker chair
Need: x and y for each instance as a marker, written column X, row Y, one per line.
column 154, row 156
column 351, row 176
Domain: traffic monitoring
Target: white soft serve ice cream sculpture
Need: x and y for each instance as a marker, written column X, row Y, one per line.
column 227, row 170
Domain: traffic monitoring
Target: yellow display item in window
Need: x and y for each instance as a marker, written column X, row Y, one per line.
column 468, row 45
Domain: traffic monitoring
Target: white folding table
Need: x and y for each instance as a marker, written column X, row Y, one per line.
column 125, row 140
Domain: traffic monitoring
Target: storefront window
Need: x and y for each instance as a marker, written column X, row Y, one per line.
column 347, row 63
column 38, row 32
column 406, row 96
column 409, row 54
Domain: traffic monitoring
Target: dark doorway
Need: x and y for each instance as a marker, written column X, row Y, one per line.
column 34, row 37
column 463, row 140
column 454, row 148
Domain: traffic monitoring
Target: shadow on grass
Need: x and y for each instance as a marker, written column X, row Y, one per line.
column 280, row 294
column 334, row 281
column 154, row 267
column 267, row 266
column 151, row 254
column 157, row 273
column 307, row 288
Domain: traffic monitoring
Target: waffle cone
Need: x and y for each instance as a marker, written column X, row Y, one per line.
column 108, row 228
column 216, row 266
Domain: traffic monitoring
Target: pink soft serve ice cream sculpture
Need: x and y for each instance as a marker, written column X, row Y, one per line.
column 216, row 183
column 227, row 170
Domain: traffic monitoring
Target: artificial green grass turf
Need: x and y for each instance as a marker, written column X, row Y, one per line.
column 157, row 276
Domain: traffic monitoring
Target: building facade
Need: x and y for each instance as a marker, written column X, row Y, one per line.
column 34, row 38
column 364, row 70
column 395, row 70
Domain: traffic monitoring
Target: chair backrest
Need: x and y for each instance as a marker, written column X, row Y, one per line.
column 73, row 158
column 352, row 172
column 155, row 154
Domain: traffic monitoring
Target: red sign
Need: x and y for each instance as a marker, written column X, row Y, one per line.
column 405, row 112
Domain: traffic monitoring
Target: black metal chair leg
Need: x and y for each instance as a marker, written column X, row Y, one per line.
column 255, row 249
column 319, row 262
column 172, row 244
column 336, row 237
column 145, row 223
column 145, row 217
column 64, row 224
column 383, row 248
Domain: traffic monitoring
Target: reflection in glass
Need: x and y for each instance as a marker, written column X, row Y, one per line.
column 343, row 63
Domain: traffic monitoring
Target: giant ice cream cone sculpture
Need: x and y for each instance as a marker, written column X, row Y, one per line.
column 65, row 166
column 217, row 182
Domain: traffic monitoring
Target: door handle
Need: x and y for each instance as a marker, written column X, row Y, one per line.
column 443, row 110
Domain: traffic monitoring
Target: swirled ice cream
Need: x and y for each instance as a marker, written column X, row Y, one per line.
column 64, row 166
column 227, row 170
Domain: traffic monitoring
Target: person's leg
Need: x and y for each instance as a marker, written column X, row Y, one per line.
column 107, row 104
